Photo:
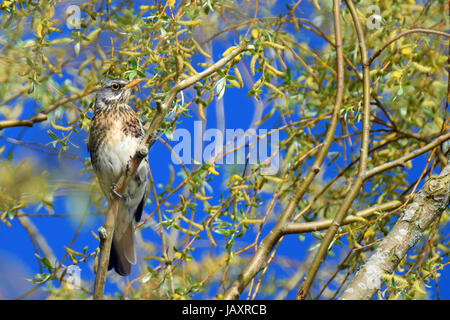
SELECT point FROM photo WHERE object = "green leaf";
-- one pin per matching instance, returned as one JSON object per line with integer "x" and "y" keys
{"x": 52, "y": 135}
{"x": 317, "y": 234}
{"x": 220, "y": 88}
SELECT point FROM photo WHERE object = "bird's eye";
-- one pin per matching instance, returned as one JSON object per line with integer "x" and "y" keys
{"x": 115, "y": 86}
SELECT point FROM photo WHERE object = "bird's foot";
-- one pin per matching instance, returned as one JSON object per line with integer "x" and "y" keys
{"x": 115, "y": 193}
{"x": 102, "y": 233}
{"x": 142, "y": 152}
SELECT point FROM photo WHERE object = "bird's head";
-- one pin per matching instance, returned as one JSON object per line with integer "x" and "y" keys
{"x": 114, "y": 91}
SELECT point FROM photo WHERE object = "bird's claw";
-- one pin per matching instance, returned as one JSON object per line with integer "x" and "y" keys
{"x": 115, "y": 193}
{"x": 102, "y": 233}
{"x": 142, "y": 151}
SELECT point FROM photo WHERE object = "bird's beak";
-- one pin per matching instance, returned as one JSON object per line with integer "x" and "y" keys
{"x": 133, "y": 83}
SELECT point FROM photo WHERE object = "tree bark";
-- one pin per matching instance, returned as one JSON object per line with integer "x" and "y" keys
{"x": 427, "y": 205}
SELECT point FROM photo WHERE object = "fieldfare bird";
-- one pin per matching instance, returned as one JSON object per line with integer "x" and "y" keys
{"x": 114, "y": 137}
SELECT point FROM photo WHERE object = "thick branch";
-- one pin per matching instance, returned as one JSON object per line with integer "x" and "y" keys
{"x": 428, "y": 205}
{"x": 147, "y": 142}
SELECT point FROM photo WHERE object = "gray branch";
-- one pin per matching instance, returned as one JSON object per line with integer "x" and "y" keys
{"x": 426, "y": 206}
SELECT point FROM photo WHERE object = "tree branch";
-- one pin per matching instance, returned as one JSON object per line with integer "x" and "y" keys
{"x": 323, "y": 249}
{"x": 363, "y": 175}
{"x": 106, "y": 233}
{"x": 427, "y": 206}
{"x": 296, "y": 228}
{"x": 35, "y": 235}
{"x": 402, "y": 160}
{"x": 267, "y": 244}
{"x": 402, "y": 34}
{"x": 42, "y": 116}
{"x": 23, "y": 123}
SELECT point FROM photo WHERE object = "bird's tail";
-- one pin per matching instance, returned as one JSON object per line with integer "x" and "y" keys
{"x": 123, "y": 253}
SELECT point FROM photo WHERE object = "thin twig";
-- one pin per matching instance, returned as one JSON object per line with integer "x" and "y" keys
{"x": 42, "y": 116}
{"x": 296, "y": 228}
{"x": 402, "y": 34}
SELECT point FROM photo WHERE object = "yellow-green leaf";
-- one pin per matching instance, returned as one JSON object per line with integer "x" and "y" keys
{"x": 189, "y": 22}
